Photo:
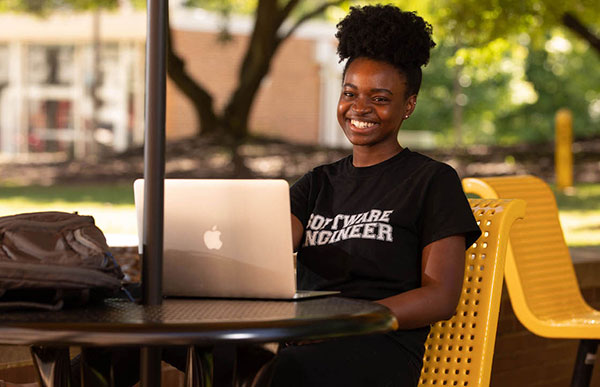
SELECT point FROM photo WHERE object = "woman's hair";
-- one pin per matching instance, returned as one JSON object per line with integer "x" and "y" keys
{"x": 386, "y": 33}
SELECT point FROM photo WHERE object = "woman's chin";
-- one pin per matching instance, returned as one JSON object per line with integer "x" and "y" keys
{"x": 358, "y": 141}
{"x": 358, "y": 138}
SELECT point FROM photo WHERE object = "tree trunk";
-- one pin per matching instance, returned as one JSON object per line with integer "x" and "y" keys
{"x": 571, "y": 22}
{"x": 255, "y": 66}
{"x": 195, "y": 93}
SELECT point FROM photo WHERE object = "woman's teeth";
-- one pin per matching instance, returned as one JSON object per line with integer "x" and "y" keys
{"x": 362, "y": 124}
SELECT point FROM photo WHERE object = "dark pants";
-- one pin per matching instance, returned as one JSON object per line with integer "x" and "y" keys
{"x": 373, "y": 361}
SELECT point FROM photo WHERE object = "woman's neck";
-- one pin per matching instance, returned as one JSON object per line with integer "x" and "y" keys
{"x": 365, "y": 156}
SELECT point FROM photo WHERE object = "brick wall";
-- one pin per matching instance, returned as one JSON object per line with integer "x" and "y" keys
{"x": 287, "y": 104}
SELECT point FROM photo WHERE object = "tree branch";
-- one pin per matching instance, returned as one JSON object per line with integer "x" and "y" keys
{"x": 320, "y": 9}
{"x": 573, "y": 23}
{"x": 195, "y": 93}
{"x": 285, "y": 11}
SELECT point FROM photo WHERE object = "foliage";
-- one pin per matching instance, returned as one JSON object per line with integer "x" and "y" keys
{"x": 226, "y": 7}
{"x": 512, "y": 99}
{"x": 561, "y": 79}
{"x": 477, "y": 22}
{"x": 512, "y": 81}
{"x": 43, "y": 7}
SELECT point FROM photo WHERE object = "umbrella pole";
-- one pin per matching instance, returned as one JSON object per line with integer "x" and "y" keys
{"x": 154, "y": 152}
{"x": 154, "y": 173}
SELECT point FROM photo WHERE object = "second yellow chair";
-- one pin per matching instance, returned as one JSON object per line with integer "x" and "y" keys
{"x": 539, "y": 272}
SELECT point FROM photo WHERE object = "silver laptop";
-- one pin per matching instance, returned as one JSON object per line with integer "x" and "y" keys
{"x": 226, "y": 238}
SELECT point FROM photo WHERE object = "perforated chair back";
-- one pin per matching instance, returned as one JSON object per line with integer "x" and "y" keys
{"x": 539, "y": 272}
{"x": 459, "y": 351}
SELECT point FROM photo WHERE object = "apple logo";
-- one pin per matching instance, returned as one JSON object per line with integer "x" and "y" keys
{"x": 212, "y": 239}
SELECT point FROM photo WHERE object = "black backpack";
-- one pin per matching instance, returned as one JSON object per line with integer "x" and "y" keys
{"x": 49, "y": 260}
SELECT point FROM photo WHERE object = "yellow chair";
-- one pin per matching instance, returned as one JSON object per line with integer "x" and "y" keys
{"x": 459, "y": 351}
{"x": 539, "y": 273}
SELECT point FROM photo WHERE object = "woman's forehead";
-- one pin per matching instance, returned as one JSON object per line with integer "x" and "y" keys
{"x": 364, "y": 72}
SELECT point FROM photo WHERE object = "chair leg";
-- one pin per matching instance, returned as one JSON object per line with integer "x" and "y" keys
{"x": 52, "y": 366}
{"x": 584, "y": 364}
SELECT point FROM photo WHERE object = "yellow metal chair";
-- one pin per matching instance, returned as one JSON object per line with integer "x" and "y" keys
{"x": 539, "y": 272}
{"x": 459, "y": 351}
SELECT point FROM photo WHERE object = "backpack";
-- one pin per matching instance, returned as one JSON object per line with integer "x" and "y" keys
{"x": 49, "y": 260}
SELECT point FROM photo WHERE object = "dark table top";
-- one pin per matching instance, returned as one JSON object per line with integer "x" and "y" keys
{"x": 196, "y": 321}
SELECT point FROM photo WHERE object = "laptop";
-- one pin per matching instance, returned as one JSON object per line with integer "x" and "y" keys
{"x": 226, "y": 238}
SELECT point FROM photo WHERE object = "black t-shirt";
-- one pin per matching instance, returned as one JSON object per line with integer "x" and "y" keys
{"x": 365, "y": 228}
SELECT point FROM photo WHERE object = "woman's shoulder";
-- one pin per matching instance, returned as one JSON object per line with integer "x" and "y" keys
{"x": 334, "y": 167}
{"x": 428, "y": 165}
{"x": 323, "y": 172}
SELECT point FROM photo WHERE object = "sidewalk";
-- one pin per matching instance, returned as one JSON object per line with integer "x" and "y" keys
{"x": 585, "y": 254}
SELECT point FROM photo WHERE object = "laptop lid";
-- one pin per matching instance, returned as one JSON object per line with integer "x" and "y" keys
{"x": 225, "y": 238}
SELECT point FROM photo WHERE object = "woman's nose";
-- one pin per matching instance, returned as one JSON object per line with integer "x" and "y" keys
{"x": 360, "y": 106}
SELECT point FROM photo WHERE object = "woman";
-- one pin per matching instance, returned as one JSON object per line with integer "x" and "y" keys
{"x": 385, "y": 223}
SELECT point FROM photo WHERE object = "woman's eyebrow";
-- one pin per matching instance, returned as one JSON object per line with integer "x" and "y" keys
{"x": 374, "y": 90}
{"x": 377, "y": 90}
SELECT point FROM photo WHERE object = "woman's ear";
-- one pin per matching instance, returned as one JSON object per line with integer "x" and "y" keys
{"x": 411, "y": 103}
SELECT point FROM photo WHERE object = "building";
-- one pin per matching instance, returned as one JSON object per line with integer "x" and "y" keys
{"x": 73, "y": 83}
{"x": 47, "y": 72}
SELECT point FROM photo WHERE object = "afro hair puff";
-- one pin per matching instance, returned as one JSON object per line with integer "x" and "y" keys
{"x": 386, "y": 33}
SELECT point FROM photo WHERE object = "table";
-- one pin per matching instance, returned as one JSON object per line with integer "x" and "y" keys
{"x": 186, "y": 322}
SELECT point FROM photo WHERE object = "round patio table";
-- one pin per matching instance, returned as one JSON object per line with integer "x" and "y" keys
{"x": 186, "y": 322}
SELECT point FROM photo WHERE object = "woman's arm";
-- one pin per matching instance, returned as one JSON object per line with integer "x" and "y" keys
{"x": 441, "y": 283}
{"x": 297, "y": 232}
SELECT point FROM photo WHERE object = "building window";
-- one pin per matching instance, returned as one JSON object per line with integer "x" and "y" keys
{"x": 50, "y": 126}
{"x": 50, "y": 82}
{"x": 50, "y": 65}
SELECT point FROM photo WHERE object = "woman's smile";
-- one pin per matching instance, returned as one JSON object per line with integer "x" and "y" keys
{"x": 360, "y": 126}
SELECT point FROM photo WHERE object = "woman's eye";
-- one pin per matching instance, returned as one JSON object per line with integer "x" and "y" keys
{"x": 380, "y": 99}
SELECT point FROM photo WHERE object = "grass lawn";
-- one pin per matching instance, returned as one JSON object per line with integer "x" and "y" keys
{"x": 112, "y": 207}
{"x": 580, "y": 215}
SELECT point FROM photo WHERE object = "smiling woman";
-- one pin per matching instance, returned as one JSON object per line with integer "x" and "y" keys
{"x": 385, "y": 224}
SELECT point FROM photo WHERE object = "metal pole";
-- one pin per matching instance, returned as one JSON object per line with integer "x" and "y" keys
{"x": 584, "y": 363}
{"x": 154, "y": 173}
{"x": 563, "y": 154}
{"x": 154, "y": 152}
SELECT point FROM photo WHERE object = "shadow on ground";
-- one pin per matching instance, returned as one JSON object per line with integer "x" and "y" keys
{"x": 263, "y": 158}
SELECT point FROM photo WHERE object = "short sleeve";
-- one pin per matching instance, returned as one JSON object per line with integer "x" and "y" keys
{"x": 300, "y": 198}
{"x": 446, "y": 210}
